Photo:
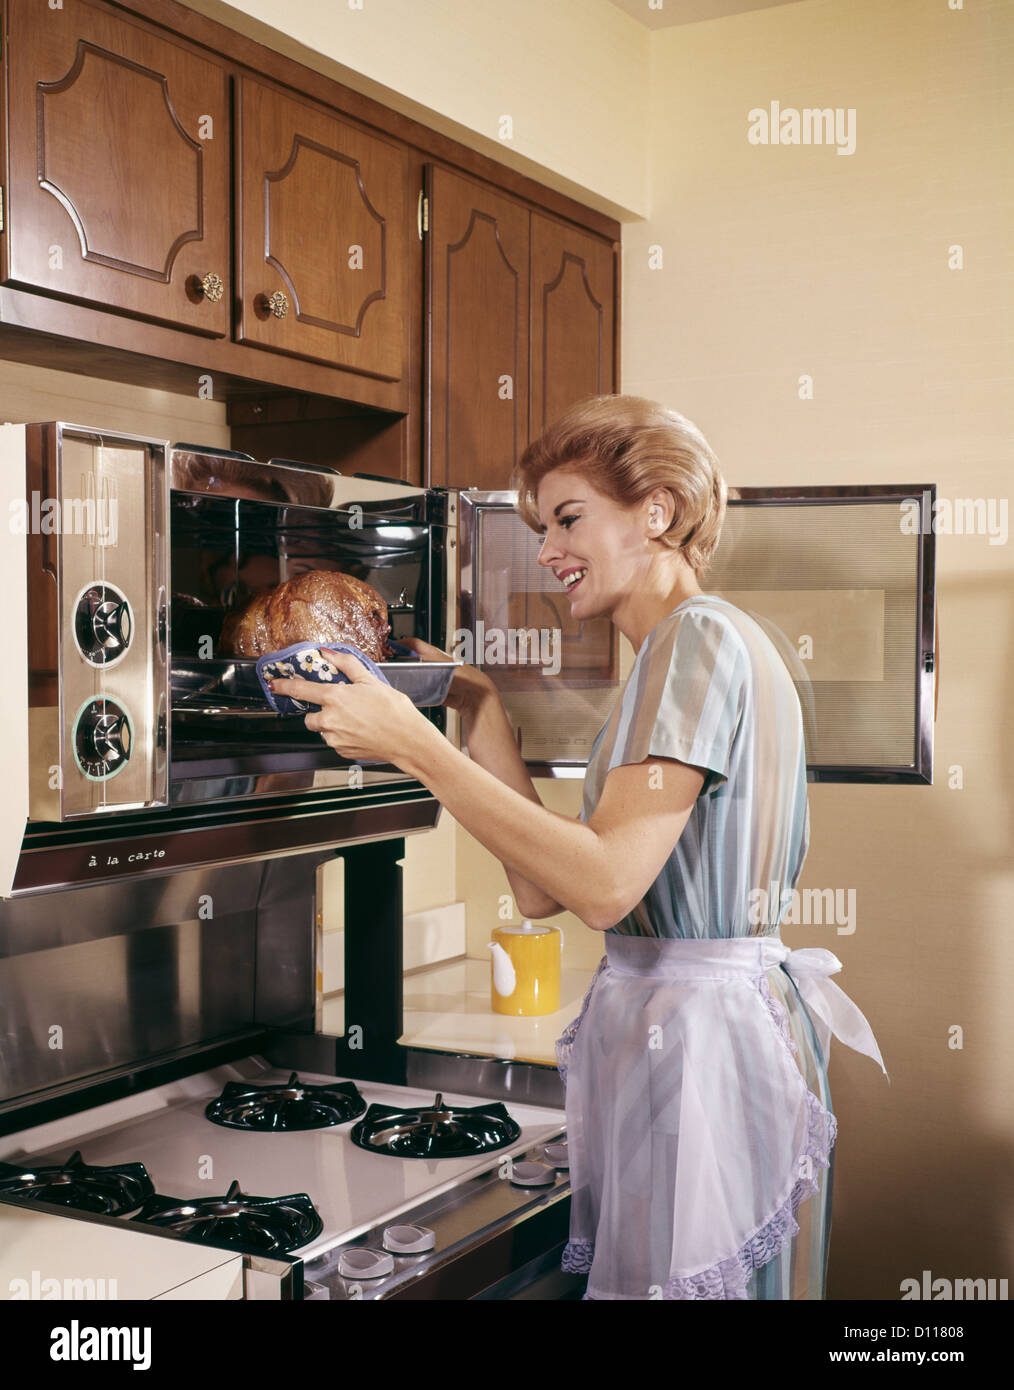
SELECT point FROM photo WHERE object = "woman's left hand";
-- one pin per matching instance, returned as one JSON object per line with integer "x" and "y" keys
{"x": 365, "y": 720}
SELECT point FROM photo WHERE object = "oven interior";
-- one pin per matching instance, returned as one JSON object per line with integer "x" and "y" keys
{"x": 226, "y": 548}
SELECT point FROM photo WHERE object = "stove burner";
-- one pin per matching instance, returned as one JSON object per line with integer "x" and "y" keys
{"x": 288, "y": 1105}
{"x": 437, "y": 1132}
{"x": 112, "y": 1191}
{"x": 263, "y": 1225}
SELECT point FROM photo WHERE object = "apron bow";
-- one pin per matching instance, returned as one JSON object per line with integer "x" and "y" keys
{"x": 831, "y": 1008}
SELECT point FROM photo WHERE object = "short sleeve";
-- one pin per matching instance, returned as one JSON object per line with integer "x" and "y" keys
{"x": 686, "y": 696}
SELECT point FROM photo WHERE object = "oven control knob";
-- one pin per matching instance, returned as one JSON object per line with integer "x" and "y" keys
{"x": 103, "y": 625}
{"x": 531, "y": 1174}
{"x": 102, "y": 738}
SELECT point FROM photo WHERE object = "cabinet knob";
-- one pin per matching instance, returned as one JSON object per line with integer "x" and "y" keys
{"x": 211, "y": 287}
{"x": 276, "y": 304}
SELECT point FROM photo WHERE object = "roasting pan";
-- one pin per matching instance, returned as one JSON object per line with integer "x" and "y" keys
{"x": 203, "y": 690}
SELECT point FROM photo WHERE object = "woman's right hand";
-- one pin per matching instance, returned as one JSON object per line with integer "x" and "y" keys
{"x": 468, "y": 688}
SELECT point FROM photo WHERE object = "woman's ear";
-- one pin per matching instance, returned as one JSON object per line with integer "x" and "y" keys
{"x": 661, "y": 510}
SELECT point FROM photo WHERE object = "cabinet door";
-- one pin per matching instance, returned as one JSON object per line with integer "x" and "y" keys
{"x": 118, "y": 166}
{"x": 477, "y": 341}
{"x": 322, "y": 238}
{"x": 572, "y": 309}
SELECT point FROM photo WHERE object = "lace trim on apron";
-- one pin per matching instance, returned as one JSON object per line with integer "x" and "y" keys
{"x": 565, "y": 1042}
{"x": 729, "y": 1278}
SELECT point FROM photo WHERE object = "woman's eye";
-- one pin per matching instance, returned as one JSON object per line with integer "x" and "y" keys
{"x": 567, "y": 520}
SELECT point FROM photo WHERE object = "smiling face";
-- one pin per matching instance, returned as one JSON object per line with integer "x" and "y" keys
{"x": 599, "y": 550}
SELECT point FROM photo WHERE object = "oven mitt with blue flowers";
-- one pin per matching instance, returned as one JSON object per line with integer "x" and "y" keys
{"x": 305, "y": 661}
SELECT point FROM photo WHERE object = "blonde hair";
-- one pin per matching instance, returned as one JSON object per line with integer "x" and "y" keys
{"x": 628, "y": 447}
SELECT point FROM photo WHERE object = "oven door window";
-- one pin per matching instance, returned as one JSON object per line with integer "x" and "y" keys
{"x": 226, "y": 740}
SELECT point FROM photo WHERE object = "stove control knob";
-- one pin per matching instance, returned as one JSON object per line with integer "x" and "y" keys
{"x": 102, "y": 624}
{"x": 409, "y": 1240}
{"x": 532, "y": 1174}
{"x": 102, "y": 738}
{"x": 362, "y": 1263}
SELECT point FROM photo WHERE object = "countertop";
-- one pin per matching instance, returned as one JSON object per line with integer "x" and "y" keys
{"x": 447, "y": 1008}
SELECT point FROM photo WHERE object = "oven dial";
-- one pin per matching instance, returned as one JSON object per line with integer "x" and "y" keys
{"x": 102, "y": 738}
{"x": 102, "y": 624}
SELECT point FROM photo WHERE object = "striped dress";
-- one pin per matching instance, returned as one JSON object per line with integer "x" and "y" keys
{"x": 698, "y": 1107}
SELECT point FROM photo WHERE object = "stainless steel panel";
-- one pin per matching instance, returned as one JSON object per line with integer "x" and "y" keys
{"x": 497, "y": 1078}
{"x": 268, "y": 1280}
{"x": 193, "y": 468}
{"x": 100, "y": 978}
{"x": 114, "y": 1001}
{"x": 480, "y": 1226}
{"x": 111, "y": 491}
{"x": 46, "y": 922}
{"x": 286, "y": 986}
{"x": 189, "y": 837}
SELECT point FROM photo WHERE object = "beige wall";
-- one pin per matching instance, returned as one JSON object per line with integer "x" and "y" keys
{"x": 555, "y": 90}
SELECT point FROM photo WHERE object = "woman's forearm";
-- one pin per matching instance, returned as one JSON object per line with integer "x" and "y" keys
{"x": 558, "y": 854}
{"x": 487, "y": 732}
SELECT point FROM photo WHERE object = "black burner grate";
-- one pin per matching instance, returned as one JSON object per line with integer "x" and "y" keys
{"x": 291, "y": 1105}
{"x": 112, "y": 1190}
{"x": 264, "y": 1225}
{"x": 438, "y": 1131}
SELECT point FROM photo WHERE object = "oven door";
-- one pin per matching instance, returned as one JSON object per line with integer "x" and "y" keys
{"x": 557, "y": 676}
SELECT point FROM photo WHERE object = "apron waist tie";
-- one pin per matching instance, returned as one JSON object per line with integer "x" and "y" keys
{"x": 831, "y": 1009}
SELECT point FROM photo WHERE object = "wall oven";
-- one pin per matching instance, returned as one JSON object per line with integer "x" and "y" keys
{"x": 142, "y": 735}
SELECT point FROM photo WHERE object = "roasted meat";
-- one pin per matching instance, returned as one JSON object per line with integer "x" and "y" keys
{"x": 320, "y": 606}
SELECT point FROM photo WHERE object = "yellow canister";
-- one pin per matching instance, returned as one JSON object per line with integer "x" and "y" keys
{"x": 525, "y": 969}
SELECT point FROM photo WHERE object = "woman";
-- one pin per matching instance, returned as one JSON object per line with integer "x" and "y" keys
{"x": 698, "y": 1109}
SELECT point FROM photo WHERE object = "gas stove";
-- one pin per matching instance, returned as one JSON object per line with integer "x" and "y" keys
{"x": 243, "y": 1151}
{"x": 364, "y": 1184}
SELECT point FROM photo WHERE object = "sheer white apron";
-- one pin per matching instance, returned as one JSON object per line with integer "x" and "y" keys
{"x": 693, "y": 1137}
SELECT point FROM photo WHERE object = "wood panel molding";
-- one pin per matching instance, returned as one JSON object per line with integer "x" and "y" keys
{"x": 282, "y": 184}
{"x": 147, "y": 105}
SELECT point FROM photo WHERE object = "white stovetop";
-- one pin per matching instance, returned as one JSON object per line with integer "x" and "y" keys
{"x": 187, "y": 1156}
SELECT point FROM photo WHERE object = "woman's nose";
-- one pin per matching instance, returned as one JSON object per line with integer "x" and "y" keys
{"x": 548, "y": 553}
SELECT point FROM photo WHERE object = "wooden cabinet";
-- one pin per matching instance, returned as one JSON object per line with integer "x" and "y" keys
{"x": 322, "y": 236}
{"x": 185, "y": 209}
{"x": 120, "y": 191}
{"x": 573, "y": 298}
{"x": 477, "y": 332}
{"x": 118, "y": 166}
{"x": 520, "y": 325}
